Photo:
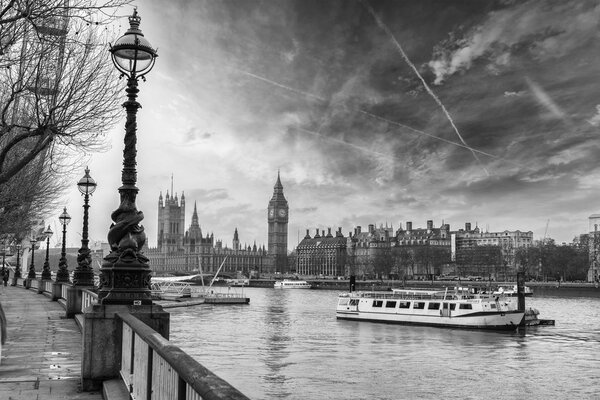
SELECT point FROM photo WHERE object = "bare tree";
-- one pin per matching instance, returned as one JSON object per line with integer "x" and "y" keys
{"x": 58, "y": 97}
{"x": 405, "y": 261}
{"x": 26, "y": 199}
{"x": 61, "y": 98}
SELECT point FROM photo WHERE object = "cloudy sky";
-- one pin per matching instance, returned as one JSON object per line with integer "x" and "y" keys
{"x": 374, "y": 111}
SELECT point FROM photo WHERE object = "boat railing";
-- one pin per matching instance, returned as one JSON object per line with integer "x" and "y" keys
{"x": 449, "y": 296}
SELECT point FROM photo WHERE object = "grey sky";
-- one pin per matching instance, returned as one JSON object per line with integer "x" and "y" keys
{"x": 322, "y": 91}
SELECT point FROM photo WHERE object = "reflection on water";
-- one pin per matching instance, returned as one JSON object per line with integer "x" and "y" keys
{"x": 288, "y": 344}
{"x": 277, "y": 339}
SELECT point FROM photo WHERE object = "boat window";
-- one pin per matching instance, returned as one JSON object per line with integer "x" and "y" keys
{"x": 453, "y": 306}
{"x": 377, "y": 303}
{"x": 354, "y": 302}
{"x": 445, "y": 306}
{"x": 419, "y": 305}
{"x": 343, "y": 302}
{"x": 466, "y": 307}
{"x": 404, "y": 304}
{"x": 390, "y": 304}
{"x": 433, "y": 306}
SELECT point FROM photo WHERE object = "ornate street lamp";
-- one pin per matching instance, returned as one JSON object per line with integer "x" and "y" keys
{"x": 62, "y": 275}
{"x": 125, "y": 273}
{"x": 31, "y": 274}
{"x": 46, "y": 269}
{"x": 84, "y": 274}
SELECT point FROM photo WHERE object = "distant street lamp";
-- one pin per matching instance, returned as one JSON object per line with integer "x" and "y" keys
{"x": 125, "y": 273}
{"x": 31, "y": 274}
{"x": 17, "y": 273}
{"x": 84, "y": 274}
{"x": 46, "y": 275}
{"x": 62, "y": 275}
{"x": 3, "y": 259}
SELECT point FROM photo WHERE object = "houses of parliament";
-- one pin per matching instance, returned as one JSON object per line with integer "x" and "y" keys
{"x": 192, "y": 250}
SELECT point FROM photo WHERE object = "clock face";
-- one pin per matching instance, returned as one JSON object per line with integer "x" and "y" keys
{"x": 282, "y": 213}
{"x": 271, "y": 213}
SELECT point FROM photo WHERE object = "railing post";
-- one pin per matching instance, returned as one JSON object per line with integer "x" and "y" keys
{"x": 56, "y": 291}
{"x": 102, "y": 339}
{"x": 149, "y": 374}
{"x": 73, "y": 299}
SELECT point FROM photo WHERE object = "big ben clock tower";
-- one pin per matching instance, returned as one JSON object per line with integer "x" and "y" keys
{"x": 278, "y": 229}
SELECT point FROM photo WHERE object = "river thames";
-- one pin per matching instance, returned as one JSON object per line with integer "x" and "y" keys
{"x": 287, "y": 344}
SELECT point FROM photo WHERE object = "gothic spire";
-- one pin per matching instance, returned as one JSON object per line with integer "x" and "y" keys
{"x": 195, "y": 217}
{"x": 278, "y": 190}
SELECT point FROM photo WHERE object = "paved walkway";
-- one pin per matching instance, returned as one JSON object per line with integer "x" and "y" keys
{"x": 41, "y": 359}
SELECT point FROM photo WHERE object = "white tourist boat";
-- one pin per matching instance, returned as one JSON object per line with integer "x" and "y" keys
{"x": 291, "y": 284}
{"x": 512, "y": 291}
{"x": 452, "y": 308}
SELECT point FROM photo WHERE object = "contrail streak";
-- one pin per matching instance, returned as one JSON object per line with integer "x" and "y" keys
{"x": 354, "y": 146}
{"x": 427, "y": 88}
{"x": 282, "y": 86}
{"x": 389, "y": 121}
{"x": 324, "y": 100}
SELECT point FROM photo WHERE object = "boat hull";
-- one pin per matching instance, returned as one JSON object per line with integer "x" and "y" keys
{"x": 508, "y": 320}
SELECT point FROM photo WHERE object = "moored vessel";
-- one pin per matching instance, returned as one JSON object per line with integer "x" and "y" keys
{"x": 446, "y": 308}
{"x": 512, "y": 291}
{"x": 291, "y": 284}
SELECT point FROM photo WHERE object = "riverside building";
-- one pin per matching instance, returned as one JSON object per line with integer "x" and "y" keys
{"x": 322, "y": 255}
{"x": 594, "y": 246}
{"x": 488, "y": 254}
{"x": 416, "y": 253}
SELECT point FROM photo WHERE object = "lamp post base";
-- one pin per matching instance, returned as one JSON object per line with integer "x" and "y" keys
{"x": 62, "y": 276}
{"x": 126, "y": 283}
{"x": 83, "y": 277}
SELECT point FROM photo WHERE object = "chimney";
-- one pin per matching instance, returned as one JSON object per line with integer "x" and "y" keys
{"x": 329, "y": 232}
{"x": 307, "y": 235}
{"x": 467, "y": 226}
{"x": 317, "y": 234}
{"x": 323, "y": 233}
{"x": 409, "y": 226}
{"x": 429, "y": 225}
{"x": 371, "y": 228}
{"x": 358, "y": 229}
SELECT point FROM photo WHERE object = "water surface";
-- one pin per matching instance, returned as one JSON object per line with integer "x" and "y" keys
{"x": 287, "y": 344}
